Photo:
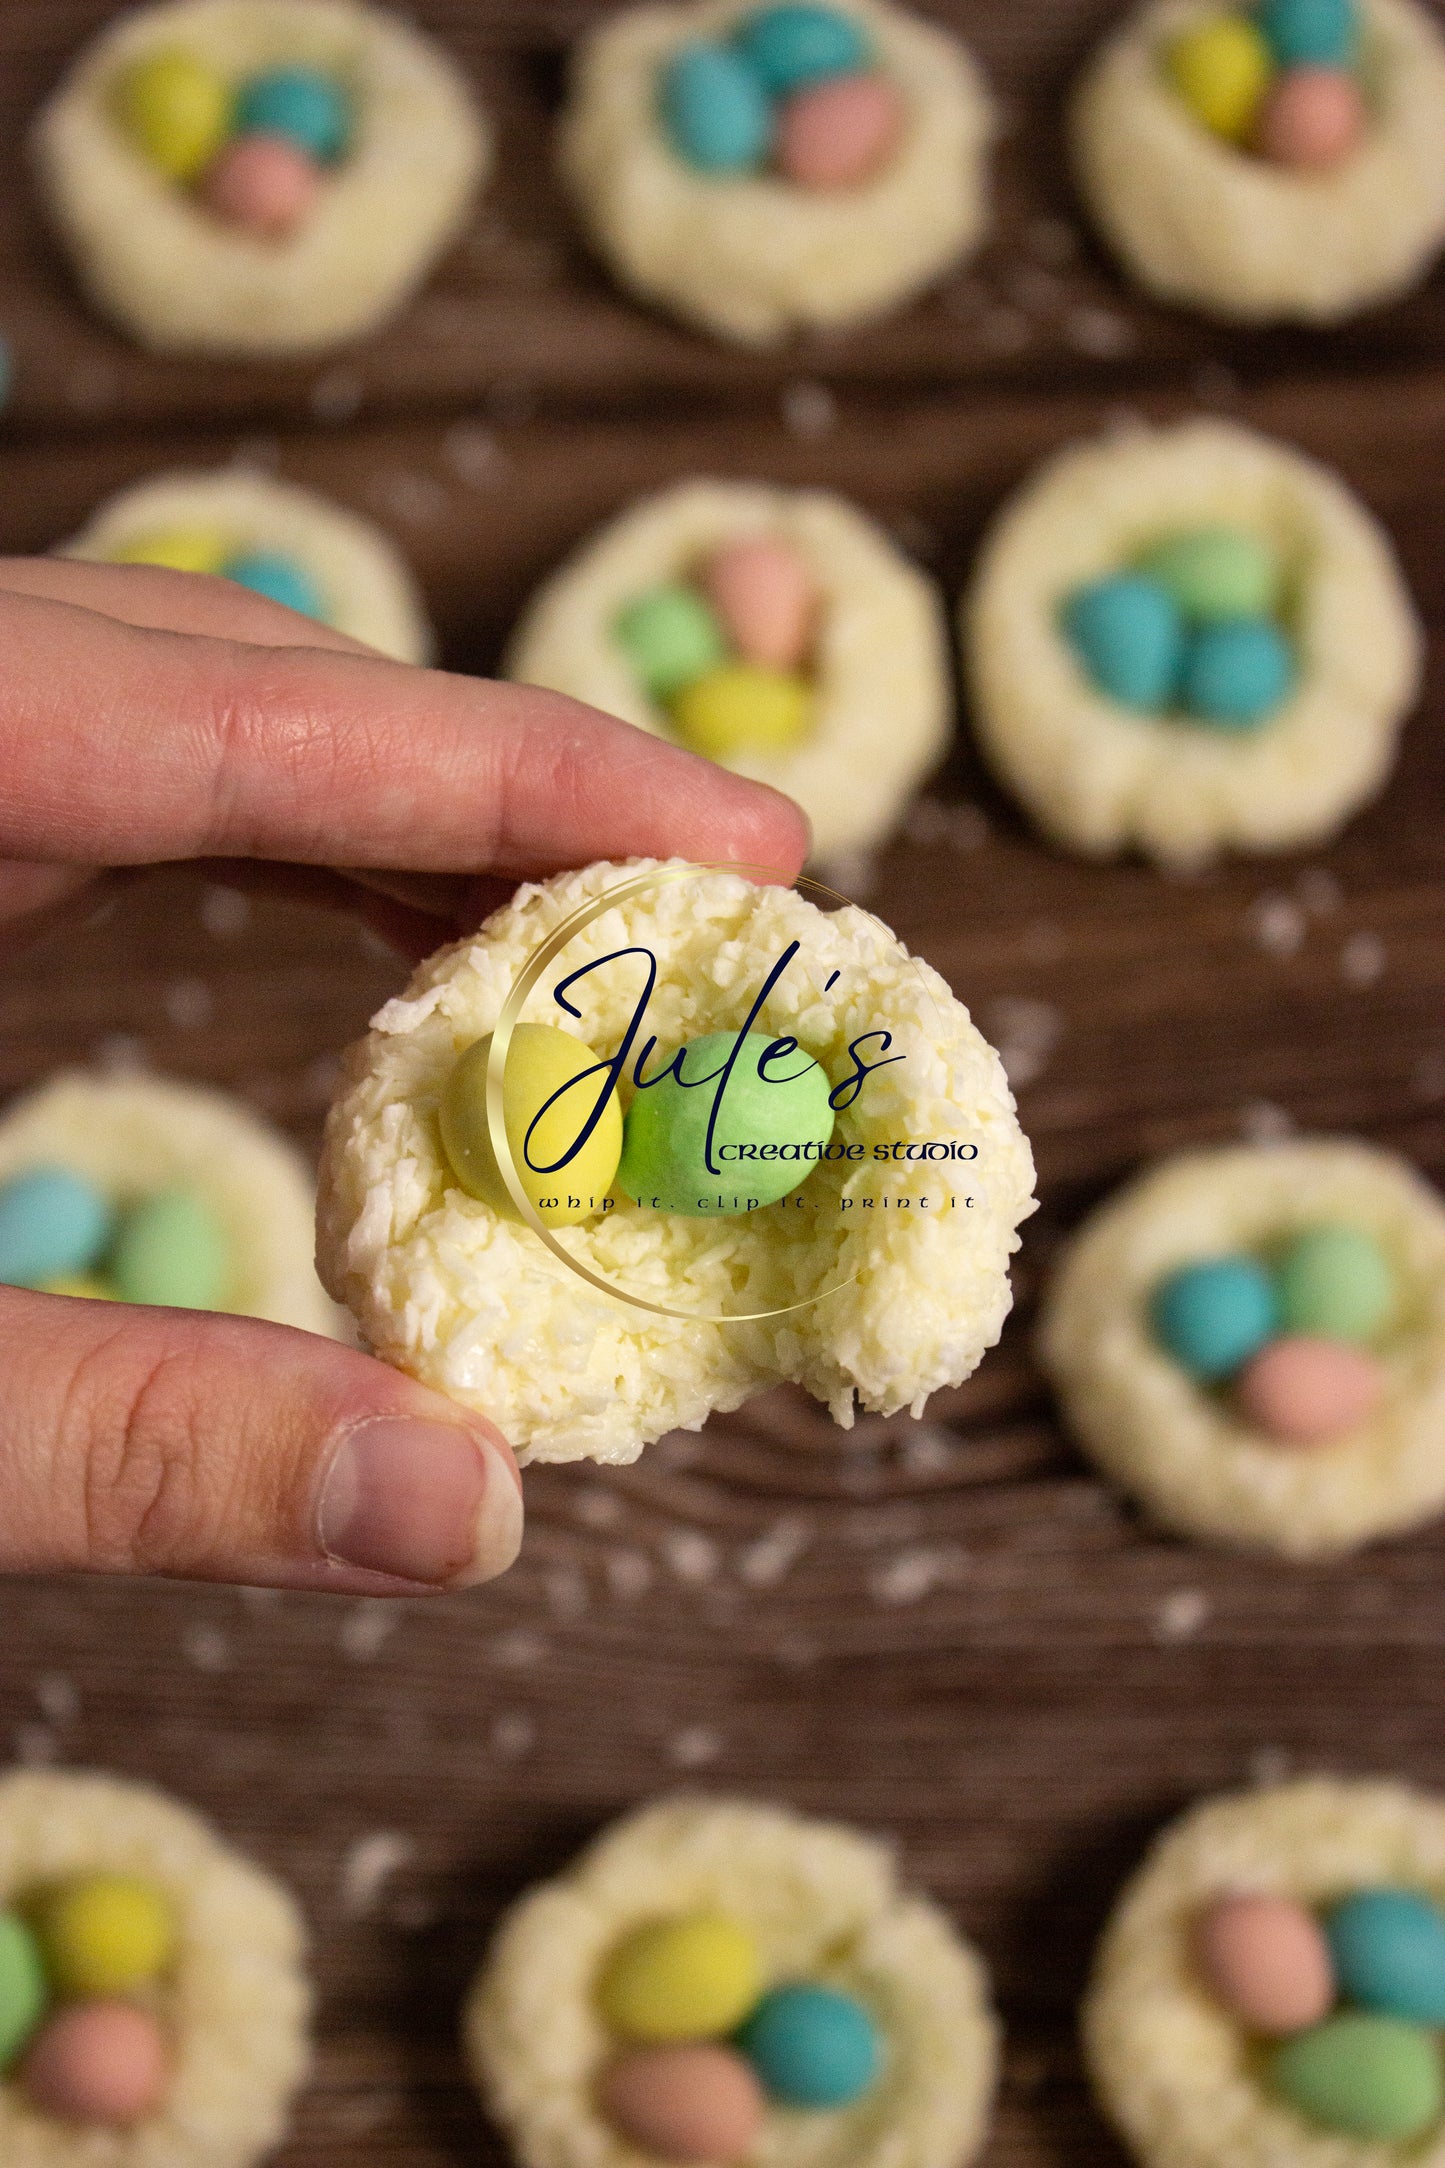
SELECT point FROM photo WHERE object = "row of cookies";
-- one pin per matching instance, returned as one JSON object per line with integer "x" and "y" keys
{"x": 1179, "y": 641}
{"x": 259, "y": 179}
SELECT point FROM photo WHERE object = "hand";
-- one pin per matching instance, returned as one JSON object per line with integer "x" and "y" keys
{"x": 148, "y": 716}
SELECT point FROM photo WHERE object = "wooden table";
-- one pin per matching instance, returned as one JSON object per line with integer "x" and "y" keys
{"x": 945, "y": 1630}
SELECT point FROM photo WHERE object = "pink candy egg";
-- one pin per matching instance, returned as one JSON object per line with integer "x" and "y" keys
{"x": 97, "y": 2062}
{"x": 763, "y": 592}
{"x": 1310, "y": 118}
{"x": 1303, "y": 1391}
{"x": 695, "y": 2103}
{"x": 1267, "y": 1961}
{"x": 840, "y": 132}
{"x": 265, "y": 183}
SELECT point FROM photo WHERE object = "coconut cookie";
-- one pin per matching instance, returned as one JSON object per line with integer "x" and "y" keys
{"x": 1270, "y": 1991}
{"x": 1272, "y": 162}
{"x": 1189, "y": 640}
{"x": 766, "y": 169}
{"x": 280, "y": 541}
{"x": 154, "y": 2009}
{"x": 258, "y": 176}
{"x": 731, "y": 1213}
{"x": 142, "y": 1189}
{"x": 1252, "y": 1341}
{"x": 777, "y": 631}
{"x": 716, "y": 1981}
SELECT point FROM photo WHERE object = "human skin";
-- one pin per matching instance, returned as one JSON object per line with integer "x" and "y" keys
{"x": 149, "y": 716}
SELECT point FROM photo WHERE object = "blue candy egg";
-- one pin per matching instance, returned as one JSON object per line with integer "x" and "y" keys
{"x": 715, "y": 110}
{"x": 282, "y": 579}
{"x": 1236, "y": 674}
{"x": 813, "y": 2047}
{"x": 1388, "y": 1947}
{"x": 1214, "y": 1315}
{"x": 302, "y": 104}
{"x": 52, "y": 1223}
{"x": 1129, "y": 635}
{"x": 1310, "y": 33}
{"x": 791, "y": 46}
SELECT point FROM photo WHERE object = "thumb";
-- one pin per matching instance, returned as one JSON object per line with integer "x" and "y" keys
{"x": 219, "y": 1448}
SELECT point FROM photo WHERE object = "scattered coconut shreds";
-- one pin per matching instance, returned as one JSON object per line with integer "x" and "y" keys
{"x": 771, "y": 1557}
{"x": 518, "y": 1649}
{"x": 691, "y": 1555}
{"x": 694, "y": 1747}
{"x": 513, "y": 1735}
{"x": 853, "y": 874}
{"x": 926, "y": 1448}
{"x": 206, "y": 1647}
{"x": 405, "y": 494}
{"x": 1098, "y": 333}
{"x": 629, "y": 1574}
{"x": 795, "y": 1652}
{"x": 1277, "y": 925}
{"x": 596, "y": 1507}
{"x": 1362, "y": 959}
{"x": 189, "y": 1004}
{"x": 566, "y": 1588}
{"x": 1428, "y": 1077}
{"x": 225, "y": 912}
{"x": 473, "y": 455}
{"x": 35, "y": 1746}
{"x": 1180, "y": 1616}
{"x": 1262, "y": 1122}
{"x": 1319, "y": 891}
{"x": 679, "y": 1449}
{"x": 121, "y": 1053}
{"x": 58, "y": 1698}
{"x": 1025, "y": 1031}
{"x": 912, "y": 1574}
{"x": 367, "y": 1627}
{"x": 368, "y": 1865}
{"x": 1269, "y": 1765}
{"x": 810, "y": 411}
{"x": 337, "y": 396}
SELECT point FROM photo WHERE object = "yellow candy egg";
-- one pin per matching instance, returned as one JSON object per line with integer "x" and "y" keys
{"x": 689, "y": 1979}
{"x": 79, "y": 1283}
{"x": 744, "y": 708}
{"x": 541, "y": 1062}
{"x": 1221, "y": 69}
{"x": 104, "y": 1934}
{"x": 179, "y": 549}
{"x": 176, "y": 110}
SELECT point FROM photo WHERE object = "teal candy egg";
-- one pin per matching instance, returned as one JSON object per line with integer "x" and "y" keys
{"x": 52, "y": 1223}
{"x": 1311, "y": 33}
{"x": 280, "y": 578}
{"x": 1214, "y": 573}
{"x": 1335, "y": 1283}
{"x": 1371, "y": 2077}
{"x": 715, "y": 110}
{"x": 813, "y": 2047}
{"x": 791, "y": 46}
{"x": 1128, "y": 634}
{"x": 171, "y": 1250}
{"x": 1388, "y": 1947}
{"x": 773, "y": 1105}
{"x": 22, "y": 1987}
{"x": 308, "y": 107}
{"x": 1236, "y": 674}
{"x": 1214, "y": 1315}
{"x": 671, "y": 638}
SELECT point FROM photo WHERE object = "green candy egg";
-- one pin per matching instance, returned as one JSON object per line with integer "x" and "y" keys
{"x": 1215, "y": 573}
{"x": 1370, "y": 2077}
{"x": 1337, "y": 1283}
{"x": 671, "y": 637}
{"x": 173, "y": 1251}
{"x": 775, "y": 1102}
{"x": 22, "y": 1987}
{"x": 541, "y": 1063}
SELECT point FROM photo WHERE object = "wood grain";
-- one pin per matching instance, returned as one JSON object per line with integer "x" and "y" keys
{"x": 946, "y": 1631}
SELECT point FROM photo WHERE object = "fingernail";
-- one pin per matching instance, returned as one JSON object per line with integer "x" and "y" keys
{"x": 427, "y": 1502}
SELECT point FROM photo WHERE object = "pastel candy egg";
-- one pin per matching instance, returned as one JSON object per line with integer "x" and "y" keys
{"x": 309, "y": 108}
{"x": 1388, "y": 1947}
{"x": 1236, "y": 674}
{"x": 176, "y": 110}
{"x": 1311, "y": 119}
{"x": 105, "y": 1934}
{"x": 1266, "y": 1960}
{"x": 549, "y": 1092}
{"x": 1335, "y": 1283}
{"x": 1310, "y": 33}
{"x": 1304, "y": 1392}
{"x": 1213, "y": 1315}
{"x": 1215, "y": 573}
{"x": 840, "y": 133}
{"x": 1128, "y": 634}
{"x": 172, "y": 1250}
{"x": 265, "y": 183}
{"x": 670, "y": 636}
{"x": 699, "y": 2102}
{"x": 791, "y": 46}
{"x": 763, "y": 594}
{"x": 681, "y": 1979}
{"x": 97, "y": 2062}
{"x": 1221, "y": 68}
{"x": 178, "y": 549}
{"x": 278, "y": 577}
{"x": 773, "y": 1122}
{"x": 1370, "y": 2077}
{"x": 813, "y": 2047}
{"x": 51, "y": 1222}
{"x": 741, "y": 708}
{"x": 22, "y": 1987}
{"x": 715, "y": 110}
